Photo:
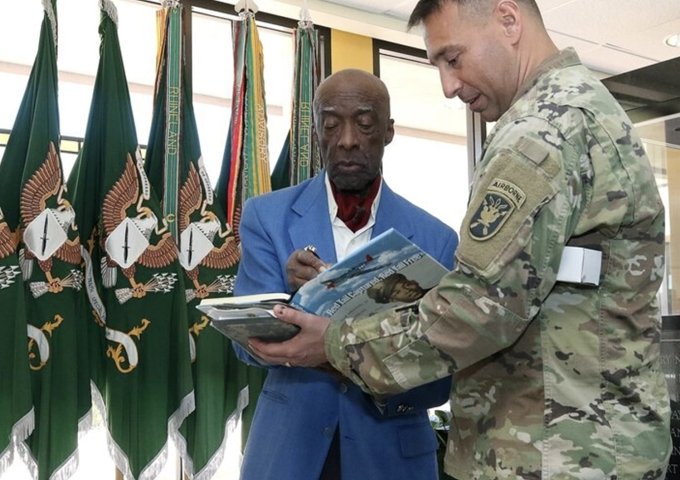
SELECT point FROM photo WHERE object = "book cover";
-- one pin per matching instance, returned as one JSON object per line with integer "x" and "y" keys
{"x": 242, "y": 317}
{"x": 387, "y": 271}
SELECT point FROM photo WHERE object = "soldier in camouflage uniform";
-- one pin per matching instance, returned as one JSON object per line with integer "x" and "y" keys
{"x": 553, "y": 380}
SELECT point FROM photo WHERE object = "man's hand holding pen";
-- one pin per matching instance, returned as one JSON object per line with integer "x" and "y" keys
{"x": 306, "y": 349}
{"x": 302, "y": 266}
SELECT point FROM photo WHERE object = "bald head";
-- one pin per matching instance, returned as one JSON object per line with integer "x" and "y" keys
{"x": 350, "y": 82}
{"x": 353, "y": 125}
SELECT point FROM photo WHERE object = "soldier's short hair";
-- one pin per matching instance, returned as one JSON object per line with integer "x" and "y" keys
{"x": 479, "y": 8}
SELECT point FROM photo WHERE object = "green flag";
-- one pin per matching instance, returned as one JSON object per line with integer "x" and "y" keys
{"x": 305, "y": 159}
{"x": 136, "y": 287}
{"x": 208, "y": 252}
{"x": 35, "y": 202}
{"x": 281, "y": 175}
{"x": 245, "y": 166}
{"x": 16, "y": 406}
{"x": 245, "y": 169}
{"x": 299, "y": 158}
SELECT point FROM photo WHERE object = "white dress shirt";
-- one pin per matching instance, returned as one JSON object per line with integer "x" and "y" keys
{"x": 346, "y": 241}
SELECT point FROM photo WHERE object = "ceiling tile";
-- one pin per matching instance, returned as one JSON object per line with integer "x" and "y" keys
{"x": 650, "y": 42}
{"x": 402, "y": 9}
{"x": 547, "y": 5}
{"x": 612, "y": 36}
{"x": 602, "y": 21}
{"x": 608, "y": 60}
{"x": 375, "y": 6}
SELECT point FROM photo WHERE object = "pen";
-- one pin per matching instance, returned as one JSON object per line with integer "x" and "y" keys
{"x": 312, "y": 249}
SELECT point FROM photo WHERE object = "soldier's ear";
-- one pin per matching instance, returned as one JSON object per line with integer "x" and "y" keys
{"x": 508, "y": 16}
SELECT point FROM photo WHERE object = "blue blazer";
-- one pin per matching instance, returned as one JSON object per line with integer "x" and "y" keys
{"x": 299, "y": 409}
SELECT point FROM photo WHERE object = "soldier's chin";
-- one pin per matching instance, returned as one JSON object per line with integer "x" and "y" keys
{"x": 488, "y": 114}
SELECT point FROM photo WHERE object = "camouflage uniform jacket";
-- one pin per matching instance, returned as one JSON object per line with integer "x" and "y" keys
{"x": 553, "y": 380}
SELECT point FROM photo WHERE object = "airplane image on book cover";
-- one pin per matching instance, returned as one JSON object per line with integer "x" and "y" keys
{"x": 387, "y": 271}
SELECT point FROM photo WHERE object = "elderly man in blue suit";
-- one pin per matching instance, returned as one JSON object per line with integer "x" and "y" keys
{"x": 310, "y": 424}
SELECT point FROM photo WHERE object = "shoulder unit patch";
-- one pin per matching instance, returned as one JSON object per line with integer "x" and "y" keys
{"x": 501, "y": 199}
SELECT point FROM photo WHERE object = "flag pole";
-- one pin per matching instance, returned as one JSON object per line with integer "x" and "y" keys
{"x": 305, "y": 16}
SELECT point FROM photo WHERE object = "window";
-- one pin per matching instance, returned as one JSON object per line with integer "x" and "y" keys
{"x": 212, "y": 79}
{"x": 427, "y": 161}
{"x": 662, "y": 144}
{"x": 78, "y": 58}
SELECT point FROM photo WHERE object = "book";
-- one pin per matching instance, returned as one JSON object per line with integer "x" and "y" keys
{"x": 246, "y": 316}
{"x": 387, "y": 271}
{"x": 256, "y": 321}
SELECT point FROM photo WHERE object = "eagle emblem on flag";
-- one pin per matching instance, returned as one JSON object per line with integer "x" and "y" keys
{"x": 197, "y": 247}
{"x": 128, "y": 235}
{"x": 49, "y": 227}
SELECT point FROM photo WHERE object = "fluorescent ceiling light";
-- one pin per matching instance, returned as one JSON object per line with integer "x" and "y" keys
{"x": 673, "y": 40}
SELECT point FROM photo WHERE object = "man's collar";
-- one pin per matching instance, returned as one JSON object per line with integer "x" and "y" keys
{"x": 333, "y": 205}
{"x": 564, "y": 58}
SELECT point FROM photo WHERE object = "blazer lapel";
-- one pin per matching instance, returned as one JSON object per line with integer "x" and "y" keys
{"x": 310, "y": 223}
{"x": 390, "y": 214}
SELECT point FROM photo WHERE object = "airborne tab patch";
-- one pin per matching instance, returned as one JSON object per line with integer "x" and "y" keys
{"x": 501, "y": 199}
